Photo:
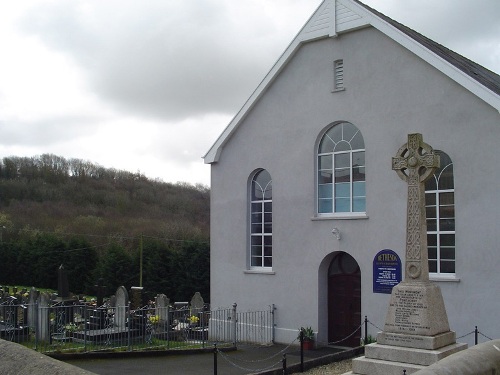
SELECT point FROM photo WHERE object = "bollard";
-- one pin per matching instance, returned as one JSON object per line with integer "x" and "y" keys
{"x": 475, "y": 336}
{"x": 284, "y": 364}
{"x": 215, "y": 359}
{"x": 301, "y": 349}
{"x": 404, "y": 372}
{"x": 366, "y": 330}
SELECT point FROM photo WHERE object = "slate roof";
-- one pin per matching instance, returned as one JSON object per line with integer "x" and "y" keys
{"x": 477, "y": 72}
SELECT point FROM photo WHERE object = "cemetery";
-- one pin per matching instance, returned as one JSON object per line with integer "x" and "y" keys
{"x": 60, "y": 321}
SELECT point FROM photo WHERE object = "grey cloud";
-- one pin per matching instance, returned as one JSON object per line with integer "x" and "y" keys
{"x": 158, "y": 59}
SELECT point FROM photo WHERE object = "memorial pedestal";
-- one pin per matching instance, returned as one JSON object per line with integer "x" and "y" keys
{"x": 416, "y": 333}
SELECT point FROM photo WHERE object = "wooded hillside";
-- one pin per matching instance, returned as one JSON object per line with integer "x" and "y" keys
{"x": 95, "y": 221}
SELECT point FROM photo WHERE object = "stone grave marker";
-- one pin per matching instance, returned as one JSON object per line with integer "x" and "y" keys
{"x": 197, "y": 304}
{"x": 416, "y": 332}
{"x": 34, "y": 294}
{"x": 122, "y": 305}
{"x": 43, "y": 321}
{"x": 161, "y": 307}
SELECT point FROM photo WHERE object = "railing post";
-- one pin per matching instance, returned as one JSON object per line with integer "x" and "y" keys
{"x": 366, "y": 330}
{"x": 273, "y": 325}
{"x": 301, "y": 336}
{"x": 215, "y": 359}
{"x": 475, "y": 336}
{"x": 284, "y": 364}
{"x": 234, "y": 321}
{"x": 128, "y": 323}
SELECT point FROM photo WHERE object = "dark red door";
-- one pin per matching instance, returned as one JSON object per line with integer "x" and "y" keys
{"x": 344, "y": 305}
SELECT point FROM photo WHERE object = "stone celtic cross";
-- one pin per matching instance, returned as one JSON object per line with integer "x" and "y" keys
{"x": 415, "y": 162}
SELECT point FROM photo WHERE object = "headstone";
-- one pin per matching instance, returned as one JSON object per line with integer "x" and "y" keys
{"x": 34, "y": 294}
{"x": 197, "y": 304}
{"x": 416, "y": 332}
{"x": 101, "y": 291}
{"x": 62, "y": 283}
{"x": 43, "y": 321}
{"x": 136, "y": 297}
{"x": 122, "y": 305}
{"x": 161, "y": 307}
{"x": 112, "y": 301}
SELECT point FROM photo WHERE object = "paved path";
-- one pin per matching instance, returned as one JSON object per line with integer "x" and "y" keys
{"x": 247, "y": 359}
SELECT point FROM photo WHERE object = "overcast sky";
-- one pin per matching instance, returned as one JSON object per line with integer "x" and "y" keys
{"x": 149, "y": 85}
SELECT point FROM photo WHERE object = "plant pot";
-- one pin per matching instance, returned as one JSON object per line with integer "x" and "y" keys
{"x": 308, "y": 344}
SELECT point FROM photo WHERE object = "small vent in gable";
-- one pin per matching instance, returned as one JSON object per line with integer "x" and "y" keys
{"x": 338, "y": 75}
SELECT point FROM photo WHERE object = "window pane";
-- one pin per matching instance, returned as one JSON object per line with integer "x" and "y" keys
{"x": 268, "y": 262}
{"x": 335, "y": 133}
{"x": 342, "y": 175}
{"x": 430, "y": 212}
{"x": 359, "y": 205}
{"x": 326, "y": 145}
{"x": 430, "y": 199}
{"x": 342, "y": 160}
{"x": 342, "y": 190}
{"x": 447, "y": 239}
{"x": 349, "y": 131}
{"x": 268, "y": 251}
{"x": 431, "y": 240}
{"x": 447, "y": 211}
{"x": 432, "y": 253}
{"x": 256, "y": 218}
{"x": 256, "y": 241}
{"x": 358, "y": 189}
{"x": 430, "y": 184}
{"x": 268, "y": 228}
{"x": 431, "y": 225}
{"x": 357, "y": 142}
{"x": 325, "y": 191}
{"x": 325, "y": 206}
{"x": 448, "y": 253}
{"x": 256, "y": 228}
{"x": 447, "y": 266}
{"x": 342, "y": 146}
{"x": 358, "y": 173}
{"x": 325, "y": 177}
{"x": 342, "y": 205}
{"x": 257, "y": 262}
{"x": 447, "y": 225}
{"x": 446, "y": 198}
{"x": 446, "y": 178}
{"x": 325, "y": 162}
{"x": 432, "y": 266}
{"x": 256, "y": 251}
{"x": 358, "y": 159}
{"x": 268, "y": 207}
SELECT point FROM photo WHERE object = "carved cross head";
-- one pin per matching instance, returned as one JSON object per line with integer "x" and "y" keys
{"x": 415, "y": 161}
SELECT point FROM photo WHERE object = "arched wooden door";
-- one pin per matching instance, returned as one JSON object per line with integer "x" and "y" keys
{"x": 344, "y": 301}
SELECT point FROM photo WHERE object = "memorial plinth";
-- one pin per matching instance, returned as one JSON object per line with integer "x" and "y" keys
{"x": 416, "y": 332}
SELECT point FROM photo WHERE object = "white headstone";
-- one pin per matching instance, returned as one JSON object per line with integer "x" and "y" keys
{"x": 121, "y": 307}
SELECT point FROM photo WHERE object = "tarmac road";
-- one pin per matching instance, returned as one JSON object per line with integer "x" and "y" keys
{"x": 245, "y": 360}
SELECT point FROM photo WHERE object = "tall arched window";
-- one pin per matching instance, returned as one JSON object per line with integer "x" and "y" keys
{"x": 440, "y": 211}
{"x": 261, "y": 221}
{"x": 341, "y": 170}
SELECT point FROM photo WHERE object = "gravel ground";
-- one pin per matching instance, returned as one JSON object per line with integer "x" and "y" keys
{"x": 336, "y": 368}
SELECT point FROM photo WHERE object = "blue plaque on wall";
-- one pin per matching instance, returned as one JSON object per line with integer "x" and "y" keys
{"x": 386, "y": 271}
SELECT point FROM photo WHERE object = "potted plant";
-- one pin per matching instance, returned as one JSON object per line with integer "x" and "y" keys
{"x": 307, "y": 338}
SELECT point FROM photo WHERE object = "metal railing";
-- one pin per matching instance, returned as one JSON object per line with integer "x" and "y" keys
{"x": 81, "y": 327}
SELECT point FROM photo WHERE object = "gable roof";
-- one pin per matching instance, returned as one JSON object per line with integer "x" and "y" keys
{"x": 334, "y": 17}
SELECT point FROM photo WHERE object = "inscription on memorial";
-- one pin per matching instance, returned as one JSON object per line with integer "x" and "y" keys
{"x": 409, "y": 308}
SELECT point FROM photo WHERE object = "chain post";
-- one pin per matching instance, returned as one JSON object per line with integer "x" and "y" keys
{"x": 475, "y": 336}
{"x": 215, "y": 359}
{"x": 366, "y": 330}
{"x": 284, "y": 364}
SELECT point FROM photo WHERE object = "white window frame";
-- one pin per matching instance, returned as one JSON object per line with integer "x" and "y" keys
{"x": 438, "y": 232}
{"x": 265, "y": 236}
{"x": 339, "y": 214}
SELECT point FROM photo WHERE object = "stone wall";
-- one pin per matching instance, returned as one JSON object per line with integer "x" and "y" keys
{"x": 482, "y": 359}
{"x": 18, "y": 360}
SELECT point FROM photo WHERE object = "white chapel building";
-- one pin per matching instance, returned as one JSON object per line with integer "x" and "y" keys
{"x": 303, "y": 196}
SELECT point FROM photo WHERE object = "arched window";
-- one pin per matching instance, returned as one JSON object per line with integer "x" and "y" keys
{"x": 440, "y": 212}
{"x": 261, "y": 221}
{"x": 341, "y": 170}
